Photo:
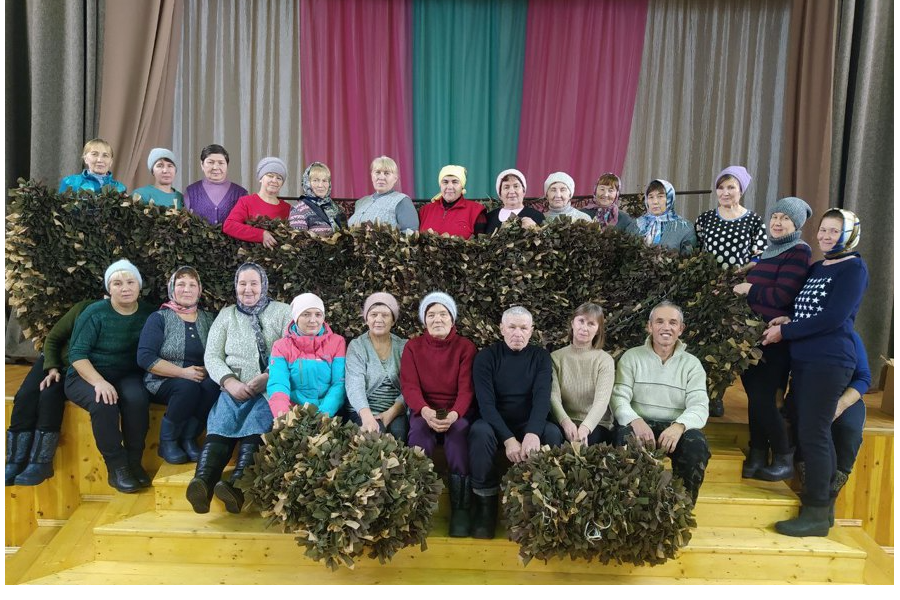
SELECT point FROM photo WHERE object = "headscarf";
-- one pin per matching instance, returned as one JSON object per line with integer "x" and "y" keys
{"x": 850, "y": 233}
{"x": 253, "y": 311}
{"x": 458, "y": 172}
{"x": 326, "y": 204}
{"x": 798, "y": 212}
{"x": 651, "y": 226}
{"x": 608, "y": 216}
{"x": 172, "y": 303}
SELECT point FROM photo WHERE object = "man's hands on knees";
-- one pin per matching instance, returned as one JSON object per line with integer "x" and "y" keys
{"x": 670, "y": 437}
{"x": 643, "y": 433}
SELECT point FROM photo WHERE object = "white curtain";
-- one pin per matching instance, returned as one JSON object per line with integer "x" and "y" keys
{"x": 711, "y": 95}
{"x": 238, "y": 85}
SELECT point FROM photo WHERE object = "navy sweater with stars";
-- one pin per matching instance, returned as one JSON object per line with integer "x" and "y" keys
{"x": 822, "y": 328}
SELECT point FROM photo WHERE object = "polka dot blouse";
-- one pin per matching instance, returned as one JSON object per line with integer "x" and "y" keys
{"x": 731, "y": 241}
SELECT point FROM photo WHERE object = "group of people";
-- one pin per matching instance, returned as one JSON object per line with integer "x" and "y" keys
{"x": 233, "y": 373}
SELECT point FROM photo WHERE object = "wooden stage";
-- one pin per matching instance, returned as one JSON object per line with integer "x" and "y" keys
{"x": 74, "y": 529}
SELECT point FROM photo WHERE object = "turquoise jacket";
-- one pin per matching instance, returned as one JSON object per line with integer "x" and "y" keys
{"x": 89, "y": 181}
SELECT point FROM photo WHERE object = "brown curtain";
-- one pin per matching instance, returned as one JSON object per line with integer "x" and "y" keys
{"x": 806, "y": 162}
{"x": 142, "y": 38}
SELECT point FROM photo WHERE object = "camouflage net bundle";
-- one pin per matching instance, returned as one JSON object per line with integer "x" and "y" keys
{"x": 343, "y": 492}
{"x": 600, "y": 501}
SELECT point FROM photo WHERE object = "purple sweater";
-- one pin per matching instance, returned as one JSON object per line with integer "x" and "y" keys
{"x": 776, "y": 282}
{"x": 198, "y": 202}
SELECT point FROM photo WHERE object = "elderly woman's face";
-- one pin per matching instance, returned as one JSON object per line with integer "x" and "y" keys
{"x": 186, "y": 290}
{"x": 164, "y": 172}
{"x": 584, "y": 328}
{"x": 383, "y": 180}
{"x": 380, "y": 319}
{"x": 829, "y": 233}
{"x": 605, "y": 195}
{"x": 451, "y": 188}
{"x": 781, "y": 225}
{"x": 319, "y": 181}
{"x": 512, "y": 194}
{"x": 728, "y": 192}
{"x": 438, "y": 321}
{"x": 123, "y": 288}
{"x": 309, "y": 322}
{"x": 558, "y": 195}
{"x": 249, "y": 287}
{"x": 215, "y": 168}
{"x": 656, "y": 203}
{"x": 98, "y": 160}
{"x": 270, "y": 184}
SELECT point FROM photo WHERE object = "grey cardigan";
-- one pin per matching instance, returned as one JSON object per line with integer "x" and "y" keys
{"x": 364, "y": 371}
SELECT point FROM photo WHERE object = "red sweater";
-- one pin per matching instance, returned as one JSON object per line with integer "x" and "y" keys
{"x": 249, "y": 207}
{"x": 438, "y": 373}
{"x": 460, "y": 219}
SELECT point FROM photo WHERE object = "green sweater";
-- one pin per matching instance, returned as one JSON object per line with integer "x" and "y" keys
{"x": 647, "y": 388}
{"x": 582, "y": 383}
{"x": 56, "y": 345}
{"x": 106, "y": 338}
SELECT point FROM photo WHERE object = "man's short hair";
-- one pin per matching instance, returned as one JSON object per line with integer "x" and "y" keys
{"x": 516, "y": 311}
{"x": 664, "y": 304}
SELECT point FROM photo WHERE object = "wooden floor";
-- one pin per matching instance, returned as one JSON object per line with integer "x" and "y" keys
{"x": 153, "y": 537}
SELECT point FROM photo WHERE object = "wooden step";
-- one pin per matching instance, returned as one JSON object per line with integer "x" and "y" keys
{"x": 723, "y": 552}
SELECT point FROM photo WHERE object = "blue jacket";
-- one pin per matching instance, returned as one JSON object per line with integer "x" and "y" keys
{"x": 89, "y": 181}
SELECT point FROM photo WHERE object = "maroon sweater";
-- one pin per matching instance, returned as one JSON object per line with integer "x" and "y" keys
{"x": 777, "y": 281}
{"x": 438, "y": 373}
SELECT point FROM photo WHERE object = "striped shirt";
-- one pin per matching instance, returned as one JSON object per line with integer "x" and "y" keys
{"x": 776, "y": 282}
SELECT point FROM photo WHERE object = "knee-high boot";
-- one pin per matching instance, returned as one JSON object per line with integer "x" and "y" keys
{"x": 484, "y": 516}
{"x": 460, "y": 499}
{"x": 227, "y": 491}
{"x": 40, "y": 466}
{"x": 210, "y": 465}
{"x": 18, "y": 445}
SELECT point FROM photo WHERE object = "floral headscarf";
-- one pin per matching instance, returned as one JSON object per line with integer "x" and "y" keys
{"x": 326, "y": 204}
{"x": 183, "y": 271}
{"x": 253, "y": 311}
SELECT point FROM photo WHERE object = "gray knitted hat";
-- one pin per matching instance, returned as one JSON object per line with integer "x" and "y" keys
{"x": 796, "y": 209}
{"x": 437, "y": 298}
{"x": 158, "y": 153}
{"x": 271, "y": 164}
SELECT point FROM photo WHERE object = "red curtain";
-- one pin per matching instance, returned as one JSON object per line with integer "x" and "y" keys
{"x": 582, "y": 67}
{"x": 356, "y": 104}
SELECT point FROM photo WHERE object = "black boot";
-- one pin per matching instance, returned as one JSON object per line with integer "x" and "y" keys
{"x": 460, "y": 498}
{"x": 227, "y": 491}
{"x": 484, "y": 516}
{"x": 169, "y": 448}
{"x": 18, "y": 445}
{"x": 134, "y": 465}
{"x": 40, "y": 466}
{"x": 756, "y": 460}
{"x": 210, "y": 465}
{"x": 122, "y": 479}
{"x": 188, "y": 439}
{"x": 782, "y": 468}
{"x": 813, "y": 521}
{"x": 840, "y": 480}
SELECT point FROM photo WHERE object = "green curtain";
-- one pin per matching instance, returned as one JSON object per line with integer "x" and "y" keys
{"x": 468, "y": 61}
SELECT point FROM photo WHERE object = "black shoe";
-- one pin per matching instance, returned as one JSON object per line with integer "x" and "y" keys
{"x": 18, "y": 445}
{"x": 756, "y": 460}
{"x": 716, "y": 407}
{"x": 460, "y": 500}
{"x": 40, "y": 467}
{"x": 122, "y": 480}
{"x": 484, "y": 516}
{"x": 782, "y": 468}
{"x": 134, "y": 465}
{"x": 812, "y": 521}
{"x": 169, "y": 448}
{"x": 210, "y": 464}
{"x": 188, "y": 439}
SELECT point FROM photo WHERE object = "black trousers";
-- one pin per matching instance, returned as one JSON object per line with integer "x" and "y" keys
{"x": 483, "y": 446}
{"x": 36, "y": 409}
{"x": 768, "y": 428}
{"x": 690, "y": 458}
{"x": 114, "y": 441}
{"x": 185, "y": 399}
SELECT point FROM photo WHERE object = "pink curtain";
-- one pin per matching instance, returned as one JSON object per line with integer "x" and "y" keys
{"x": 582, "y": 66}
{"x": 356, "y": 89}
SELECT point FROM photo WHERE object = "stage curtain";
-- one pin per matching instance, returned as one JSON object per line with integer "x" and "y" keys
{"x": 356, "y": 64}
{"x": 238, "y": 85}
{"x": 711, "y": 95}
{"x": 468, "y": 61}
{"x": 582, "y": 67}
{"x": 862, "y": 155}
{"x": 136, "y": 104}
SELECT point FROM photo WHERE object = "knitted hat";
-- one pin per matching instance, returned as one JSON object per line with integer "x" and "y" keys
{"x": 515, "y": 172}
{"x": 796, "y": 209}
{"x": 560, "y": 177}
{"x": 850, "y": 232}
{"x": 304, "y": 302}
{"x": 381, "y": 298}
{"x": 739, "y": 173}
{"x": 121, "y": 265}
{"x": 271, "y": 164}
{"x": 437, "y": 298}
{"x": 158, "y": 153}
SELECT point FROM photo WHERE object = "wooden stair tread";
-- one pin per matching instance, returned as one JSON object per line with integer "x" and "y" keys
{"x": 749, "y": 491}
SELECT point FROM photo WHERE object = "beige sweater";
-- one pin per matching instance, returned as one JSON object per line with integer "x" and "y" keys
{"x": 582, "y": 384}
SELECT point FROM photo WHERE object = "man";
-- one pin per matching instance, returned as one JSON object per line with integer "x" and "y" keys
{"x": 512, "y": 388}
{"x": 660, "y": 394}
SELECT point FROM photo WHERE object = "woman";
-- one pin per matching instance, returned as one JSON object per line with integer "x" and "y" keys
{"x": 511, "y": 187}
{"x": 661, "y": 225}
{"x": 105, "y": 379}
{"x": 823, "y": 359}
{"x": 161, "y": 163}
{"x": 307, "y": 364}
{"x": 316, "y": 212}
{"x": 373, "y": 370}
{"x": 38, "y": 407}
{"x": 213, "y": 197}
{"x": 271, "y": 172}
{"x": 606, "y": 196}
{"x": 449, "y": 212}
{"x": 770, "y": 288}
{"x": 97, "y": 156}
{"x": 237, "y": 358}
{"x": 559, "y": 188}
{"x": 171, "y": 351}
{"x": 583, "y": 377}
{"x": 385, "y": 206}
{"x": 436, "y": 381}
{"x": 731, "y": 233}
